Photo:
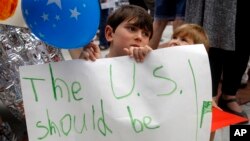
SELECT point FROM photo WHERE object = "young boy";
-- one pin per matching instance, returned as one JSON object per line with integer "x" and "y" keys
{"x": 129, "y": 35}
{"x": 186, "y": 34}
{"x": 128, "y": 31}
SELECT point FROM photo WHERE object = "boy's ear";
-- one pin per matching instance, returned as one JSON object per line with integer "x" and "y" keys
{"x": 109, "y": 33}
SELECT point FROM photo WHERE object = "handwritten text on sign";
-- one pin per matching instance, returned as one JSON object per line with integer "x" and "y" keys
{"x": 166, "y": 97}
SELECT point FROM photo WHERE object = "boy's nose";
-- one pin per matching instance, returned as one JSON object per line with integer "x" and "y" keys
{"x": 139, "y": 36}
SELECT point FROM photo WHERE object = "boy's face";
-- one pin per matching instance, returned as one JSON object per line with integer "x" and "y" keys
{"x": 179, "y": 40}
{"x": 126, "y": 35}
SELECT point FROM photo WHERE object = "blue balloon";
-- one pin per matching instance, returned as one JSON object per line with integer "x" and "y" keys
{"x": 64, "y": 24}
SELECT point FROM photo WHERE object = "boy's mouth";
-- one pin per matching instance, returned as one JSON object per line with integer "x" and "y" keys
{"x": 134, "y": 45}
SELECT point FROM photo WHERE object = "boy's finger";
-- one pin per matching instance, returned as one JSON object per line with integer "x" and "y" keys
{"x": 96, "y": 48}
{"x": 142, "y": 54}
{"x": 91, "y": 55}
{"x": 84, "y": 55}
{"x": 135, "y": 53}
{"x": 128, "y": 52}
{"x": 138, "y": 55}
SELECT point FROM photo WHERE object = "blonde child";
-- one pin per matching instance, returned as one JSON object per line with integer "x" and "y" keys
{"x": 188, "y": 34}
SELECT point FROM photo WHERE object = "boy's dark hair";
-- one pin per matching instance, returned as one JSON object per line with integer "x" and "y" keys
{"x": 131, "y": 12}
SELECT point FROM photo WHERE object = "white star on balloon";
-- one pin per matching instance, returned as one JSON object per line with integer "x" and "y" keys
{"x": 26, "y": 12}
{"x": 45, "y": 17}
{"x": 41, "y": 35}
{"x": 74, "y": 13}
{"x": 57, "y": 2}
{"x": 57, "y": 17}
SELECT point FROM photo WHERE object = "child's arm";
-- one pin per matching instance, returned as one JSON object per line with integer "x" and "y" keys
{"x": 90, "y": 52}
{"x": 163, "y": 45}
{"x": 138, "y": 53}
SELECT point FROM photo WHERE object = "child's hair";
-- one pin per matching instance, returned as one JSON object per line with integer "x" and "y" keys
{"x": 131, "y": 12}
{"x": 194, "y": 31}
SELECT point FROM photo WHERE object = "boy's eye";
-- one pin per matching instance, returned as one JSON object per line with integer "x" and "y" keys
{"x": 131, "y": 28}
{"x": 135, "y": 29}
{"x": 146, "y": 34}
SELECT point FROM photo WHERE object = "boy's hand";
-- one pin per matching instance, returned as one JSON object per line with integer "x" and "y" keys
{"x": 138, "y": 53}
{"x": 90, "y": 52}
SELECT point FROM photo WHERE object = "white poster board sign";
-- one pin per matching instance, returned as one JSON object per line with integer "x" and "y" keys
{"x": 167, "y": 97}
